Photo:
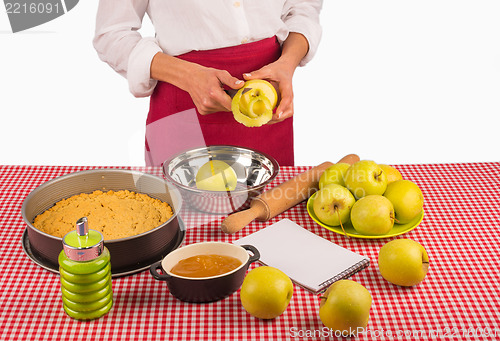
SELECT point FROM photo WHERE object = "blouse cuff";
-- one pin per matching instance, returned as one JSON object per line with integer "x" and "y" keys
{"x": 139, "y": 67}
{"x": 311, "y": 32}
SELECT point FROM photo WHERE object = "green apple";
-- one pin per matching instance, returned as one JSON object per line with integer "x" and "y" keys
{"x": 392, "y": 173}
{"x": 216, "y": 175}
{"x": 266, "y": 292}
{"x": 403, "y": 262}
{"x": 332, "y": 205}
{"x": 365, "y": 177}
{"x": 345, "y": 307}
{"x": 334, "y": 175}
{"x": 372, "y": 215}
{"x": 407, "y": 199}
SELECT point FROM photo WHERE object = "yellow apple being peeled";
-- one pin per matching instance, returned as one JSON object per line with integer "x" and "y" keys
{"x": 266, "y": 292}
{"x": 334, "y": 175}
{"x": 392, "y": 173}
{"x": 345, "y": 307}
{"x": 403, "y": 262}
{"x": 253, "y": 104}
{"x": 407, "y": 199}
{"x": 216, "y": 175}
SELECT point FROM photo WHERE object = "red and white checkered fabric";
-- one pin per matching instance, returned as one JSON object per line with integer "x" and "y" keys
{"x": 457, "y": 300}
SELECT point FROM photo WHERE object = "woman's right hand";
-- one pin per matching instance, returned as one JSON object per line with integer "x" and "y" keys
{"x": 204, "y": 84}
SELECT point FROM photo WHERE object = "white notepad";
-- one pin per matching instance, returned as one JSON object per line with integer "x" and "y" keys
{"x": 308, "y": 259}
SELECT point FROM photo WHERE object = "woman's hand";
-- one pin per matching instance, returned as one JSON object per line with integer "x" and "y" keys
{"x": 204, "y": 85}
{"x": 280, "y": 73}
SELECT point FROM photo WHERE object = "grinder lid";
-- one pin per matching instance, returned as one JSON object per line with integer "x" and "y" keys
{"x": 83, "y": 244}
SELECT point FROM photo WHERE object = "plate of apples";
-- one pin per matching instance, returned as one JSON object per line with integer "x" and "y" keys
{"x": 366, "y": 200}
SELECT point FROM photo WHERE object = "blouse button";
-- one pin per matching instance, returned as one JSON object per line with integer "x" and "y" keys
{"x": 244, "y": 40}
{"x": 237, "y": 4}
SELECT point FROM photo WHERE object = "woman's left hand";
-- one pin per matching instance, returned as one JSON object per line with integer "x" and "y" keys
{"x": 280, "y": 73}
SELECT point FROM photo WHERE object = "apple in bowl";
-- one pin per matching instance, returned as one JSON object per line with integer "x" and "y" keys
{"x": 372, "y": 215}
{"x": 407, "y": 199}
{"x": 364, "y": 178}
{"x": 332, "y": 205}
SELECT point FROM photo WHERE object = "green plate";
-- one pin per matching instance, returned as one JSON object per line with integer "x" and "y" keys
{"x": 397, "y": 230}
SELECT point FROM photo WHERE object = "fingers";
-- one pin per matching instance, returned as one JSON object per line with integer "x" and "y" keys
{"x": 225, "y": 78}
{"x": 277, "y": 74}
{"x": 212, "y": 98}
{"x": 285, "y": 107}
{"x": 263, "y": 73}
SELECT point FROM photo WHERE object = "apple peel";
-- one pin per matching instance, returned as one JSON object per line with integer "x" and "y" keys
{"x": 253, "y": 104}
{"x": 248, "y": 117}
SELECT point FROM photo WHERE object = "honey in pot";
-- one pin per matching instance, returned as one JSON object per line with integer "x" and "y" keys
{"x": 205, "y": 266}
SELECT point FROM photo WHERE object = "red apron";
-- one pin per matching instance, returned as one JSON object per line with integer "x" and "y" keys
{"x": 174, "y": 125}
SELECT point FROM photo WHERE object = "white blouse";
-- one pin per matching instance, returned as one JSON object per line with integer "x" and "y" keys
{"x": 186, "y": 25}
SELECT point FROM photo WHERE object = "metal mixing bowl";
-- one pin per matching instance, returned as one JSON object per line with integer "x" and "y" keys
{"x": 254, "y": 171}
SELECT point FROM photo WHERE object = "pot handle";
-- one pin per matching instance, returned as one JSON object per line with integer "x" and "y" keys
{"x": 253, "y": 249}
{"x": 153, "y": 269}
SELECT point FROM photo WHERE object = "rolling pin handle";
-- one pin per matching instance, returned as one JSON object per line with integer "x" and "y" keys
{"x": 236, "y": 221}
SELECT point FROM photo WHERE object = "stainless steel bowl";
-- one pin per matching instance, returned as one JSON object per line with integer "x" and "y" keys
{"x": 254, "y": 171}
{"x": 128, "y": 255}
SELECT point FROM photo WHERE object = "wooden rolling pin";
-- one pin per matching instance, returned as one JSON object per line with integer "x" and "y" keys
{"x": 280, "y": 198}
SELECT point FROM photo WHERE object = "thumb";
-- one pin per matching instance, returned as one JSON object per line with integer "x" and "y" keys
{"x": 233, "y": 82}
{"x": 258, "y": 74}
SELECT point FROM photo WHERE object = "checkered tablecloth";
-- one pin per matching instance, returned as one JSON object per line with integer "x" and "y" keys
{"x": 459, "y": 299}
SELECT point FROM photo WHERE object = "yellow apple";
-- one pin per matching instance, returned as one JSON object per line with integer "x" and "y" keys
{"x": 403, "y": 262}
{"x": 216, "y": 175}
{"x": 345, "y": 307}
{"x": 372, "y": 215}
{"x": 266, "y": 292}
{"x": 392, "y": 173}
{"x": 365, "y": 177}
{"x": 332, "y": 205}
{"x": 407, "y": 199}
{"x": 334, "y": 175}
{"x": 254, "y": 107}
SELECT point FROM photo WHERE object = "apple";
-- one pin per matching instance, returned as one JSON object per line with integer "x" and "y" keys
{"x": 334, "y": 175}
{"x": 365, "y": 177}
{"x": 392, "y": 173}
{"x": 407, "y": 199}
{"x": 403, "y": 262}
{"x": 216, "y": 175}
{"x": 266, "y": 292}
{"x": 253, "y": 104}
{"x": 372, "y": 215}
{"x": 332, "y": 205}
{"x": 345, "y": 307}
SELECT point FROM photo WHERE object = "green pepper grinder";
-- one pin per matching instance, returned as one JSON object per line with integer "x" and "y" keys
{"x": 85, "y": 269}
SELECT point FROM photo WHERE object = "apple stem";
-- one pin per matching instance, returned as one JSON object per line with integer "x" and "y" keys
{"x": 342, "y": 226}
{"x": 393, "y": 217}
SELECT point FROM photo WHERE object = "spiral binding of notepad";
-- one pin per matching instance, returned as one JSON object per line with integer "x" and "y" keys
{"x": 345, "y": 274}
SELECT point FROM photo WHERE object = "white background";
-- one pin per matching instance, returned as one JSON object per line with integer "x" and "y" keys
{"x": 393, "y": 81}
